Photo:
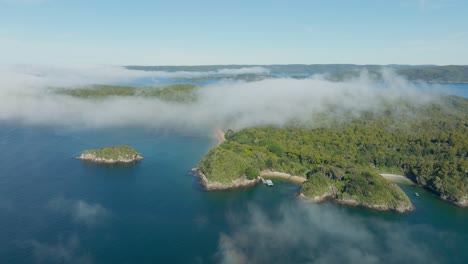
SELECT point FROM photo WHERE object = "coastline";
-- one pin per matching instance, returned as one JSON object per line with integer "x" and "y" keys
{"x": 350, "y": 202}
{"x": 217, "y": 186}
{"x": 282, "y": 175}
{"x": 402, "y": 179}
{"x": 330, "y": 195}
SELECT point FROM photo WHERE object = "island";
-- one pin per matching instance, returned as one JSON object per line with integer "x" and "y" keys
{"x": 343, "y": 158}
{"x": 177, "y": 93}
{"x": 111, "y": 154}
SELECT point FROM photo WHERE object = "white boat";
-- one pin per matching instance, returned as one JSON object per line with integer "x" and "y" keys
{"x": 269, "y": 183}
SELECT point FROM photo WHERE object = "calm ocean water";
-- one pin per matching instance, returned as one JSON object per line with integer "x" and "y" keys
{"x": 56, "y": 209}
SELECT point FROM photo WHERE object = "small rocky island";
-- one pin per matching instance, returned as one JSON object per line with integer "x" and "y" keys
{"x": 112, "y": 154}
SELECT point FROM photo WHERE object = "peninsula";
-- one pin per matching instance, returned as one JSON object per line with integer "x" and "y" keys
{"x": 342, "y": 160}
{"x": 112, "y": 154}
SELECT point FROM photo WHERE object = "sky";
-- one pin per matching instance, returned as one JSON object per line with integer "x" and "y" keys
{"x": 151, "y": 32}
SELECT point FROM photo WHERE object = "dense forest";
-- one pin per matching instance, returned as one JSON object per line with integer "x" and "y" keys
{"x": 428, "y": 144}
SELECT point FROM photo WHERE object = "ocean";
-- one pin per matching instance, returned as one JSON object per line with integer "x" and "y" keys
{"x": 57, "y": 209}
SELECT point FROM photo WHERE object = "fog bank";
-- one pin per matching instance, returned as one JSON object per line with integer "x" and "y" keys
{"x": 26, "y": 96}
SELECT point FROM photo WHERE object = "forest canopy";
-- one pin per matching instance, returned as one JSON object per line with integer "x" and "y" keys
{"x": 428, "y": 144}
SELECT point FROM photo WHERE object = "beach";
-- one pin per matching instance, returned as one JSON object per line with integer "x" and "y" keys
{"x": 219, "y": 134}
{"x": 396, "y": 178}
{"x": 282, "y": 175}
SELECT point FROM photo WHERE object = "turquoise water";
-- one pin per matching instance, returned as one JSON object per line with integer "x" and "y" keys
{"x": 57, "y": 209}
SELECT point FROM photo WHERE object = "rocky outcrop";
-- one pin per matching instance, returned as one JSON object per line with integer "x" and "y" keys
{"x": 213, "y": 185}
{"x": 328, "y": 195}
{"x": 463, "y": 201}
{"x": 402, "y": 208}
{"x": 332, "y": 195}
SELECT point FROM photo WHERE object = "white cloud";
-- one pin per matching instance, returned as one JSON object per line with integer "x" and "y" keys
{"x": 310, "y": 233}
{"x": 40, "y": 76}
{"x": 65, "y": 251}
{"x": 79, "y": 210}
{"x": 25, "y": 96}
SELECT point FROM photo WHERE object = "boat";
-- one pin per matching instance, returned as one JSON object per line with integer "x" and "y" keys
{"x": 269, "y": 183}
{"x": 417, "y": 194}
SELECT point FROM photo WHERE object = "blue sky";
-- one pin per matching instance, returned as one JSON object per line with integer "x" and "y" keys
{"x": 233, "y": 32}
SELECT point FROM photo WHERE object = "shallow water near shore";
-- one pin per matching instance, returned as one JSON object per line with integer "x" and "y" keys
{"x": 55, "y": 208}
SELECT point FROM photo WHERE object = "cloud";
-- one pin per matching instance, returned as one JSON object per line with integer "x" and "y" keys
{"x": 245, "y": 70}
{"x": 80, "y": 211}
{"x": 49, "y": 75}
{"x": 310, "y": 233}
{"x": 25, "y": 96}
{"x": 65, "y": 251}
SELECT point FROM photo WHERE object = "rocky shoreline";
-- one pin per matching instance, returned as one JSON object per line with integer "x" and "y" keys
{"x": 462, "y": 203}
{"x": 213, "y": 185}
{"x": 330, "y": 196}
{"x": 93, "y": 158}
{"x": 111, "y": 154}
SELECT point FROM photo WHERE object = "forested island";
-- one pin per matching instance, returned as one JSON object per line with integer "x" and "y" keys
{"x": 342, "y": 158}
{"x": 112, "y": 154}
{"x": 179, "y": 93}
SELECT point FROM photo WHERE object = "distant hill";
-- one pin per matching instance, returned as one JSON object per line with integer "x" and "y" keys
{"x": 338, "y": 72}
{"x": 440, "y": 74}
{"x": 279, "y": 68}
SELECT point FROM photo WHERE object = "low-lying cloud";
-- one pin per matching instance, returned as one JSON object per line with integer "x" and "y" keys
{"x": 71, "y": 76}
{"x": 80, "y": 211}
{"x": 25, "y": 96}
{"x": 66, "y": 250}
{"x": 306, "y": 233}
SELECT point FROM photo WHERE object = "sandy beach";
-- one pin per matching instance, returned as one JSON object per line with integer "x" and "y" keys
{"x": 282, "y": 175}
{"x": 396, "y": 178}
{"x": 219, "y": 134}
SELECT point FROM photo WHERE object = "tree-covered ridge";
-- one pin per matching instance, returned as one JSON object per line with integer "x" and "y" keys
{"x": 438, "y": 74}
{"x": 182, "y": 93}
{"x": 428, "y": 143}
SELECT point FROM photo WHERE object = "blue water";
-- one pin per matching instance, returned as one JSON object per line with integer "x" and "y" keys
{"x": 57, "y": 209}
{"x": 155, "y": 211}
